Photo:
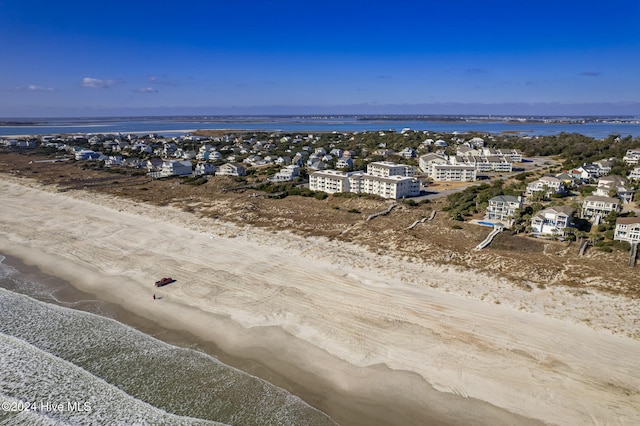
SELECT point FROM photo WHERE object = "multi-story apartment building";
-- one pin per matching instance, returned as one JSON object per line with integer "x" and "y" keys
{"x": 389, "y": 187}
{"x": 427, "y": 161}
{"x": 388, "y": 168}
{"x": 332, "y": 181}
{"x": 453, "y": 172}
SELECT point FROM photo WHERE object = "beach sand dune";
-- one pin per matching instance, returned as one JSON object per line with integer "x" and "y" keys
{"x": 362, "y": 330}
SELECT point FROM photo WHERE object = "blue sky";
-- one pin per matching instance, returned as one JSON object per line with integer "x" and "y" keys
{"x": 72, "y": 58}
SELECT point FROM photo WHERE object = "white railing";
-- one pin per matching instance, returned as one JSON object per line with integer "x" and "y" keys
{"x": 498, "y": 228}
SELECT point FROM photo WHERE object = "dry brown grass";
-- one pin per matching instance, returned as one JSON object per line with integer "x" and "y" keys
{"x": 521, "y": 259}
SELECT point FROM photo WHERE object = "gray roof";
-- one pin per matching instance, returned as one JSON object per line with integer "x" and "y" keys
{"x": 602, "y": 198}
{"x": 505, "y": 199}
{"x": 558, "y": 209}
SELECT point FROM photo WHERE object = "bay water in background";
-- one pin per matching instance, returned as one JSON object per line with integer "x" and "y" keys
{"x": 171, "y": 126}
{"x": 65, "y": 366}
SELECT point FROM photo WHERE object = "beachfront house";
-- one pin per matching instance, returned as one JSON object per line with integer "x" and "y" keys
{"x": 86, "y": 154}
{"x": 599, "y": 206}
{"x": 604, "y": 166}
{"x": 627, "y": 229}
{"x": 568, "y": 179}
{"x": 286, "y": 174}
{"x": 408, "y": 153}
{"x": 176, "y": 168}
{"x": 502, "y": 208}
{"x": 113, "y": 160}
{"x": 552, "y": 221}
{"x": 203, "y": 168}
{"x": 231, "y": 169}
{"x": 153, "y": 164}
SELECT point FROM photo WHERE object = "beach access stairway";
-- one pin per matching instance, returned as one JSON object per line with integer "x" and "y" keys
{"x": 104, "y": 182}
{"x": 424, "y": 219}
{"x": 241, "y": 187}
{"x": 496, "y": 230}
{"x": 382, "y": 213}
{"x": 583, "y": 246}
{"x": 633, "y": 255}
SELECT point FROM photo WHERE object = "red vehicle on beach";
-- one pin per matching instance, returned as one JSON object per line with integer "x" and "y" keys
{"x": 164, "y": 281}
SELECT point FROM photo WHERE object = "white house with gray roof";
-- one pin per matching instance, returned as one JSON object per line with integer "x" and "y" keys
{"x": 552, "y": 221}
{"x": 598, "y": 205}
{"x": 627, "y": 229}
{"x": 503, "y": 207}
{"x": 548, "y": 184}
{"x": 614, "y": 185}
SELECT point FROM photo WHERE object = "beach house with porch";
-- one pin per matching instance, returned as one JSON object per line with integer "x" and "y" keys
{"x": 634, "y": 174}
{"x": 627, "y": 229}
{"x": 614, "y": 185}
{"x": 598, "y": 205}
{"x": 550, "y": 185}
{"x": 176, "y": 168}
{"x": 204, "y": 168}
{"x": 552, "y": 221}
{"x": 231, "y": 169}
{"x": 502, "y": 208}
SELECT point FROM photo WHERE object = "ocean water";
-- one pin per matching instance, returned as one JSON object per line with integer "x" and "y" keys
{"x": 63, "y": 366}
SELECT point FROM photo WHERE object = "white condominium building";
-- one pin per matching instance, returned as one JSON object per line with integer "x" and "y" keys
{"x": 332, "y": 181}
{"x": 427, "y": 161}
{"x": 453, "y": 172}
{"x": 389, "y": 187}
{"x": 388, "y": 168}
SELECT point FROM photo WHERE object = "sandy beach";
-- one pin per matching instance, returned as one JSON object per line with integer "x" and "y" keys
{"x": 357, "y": 334}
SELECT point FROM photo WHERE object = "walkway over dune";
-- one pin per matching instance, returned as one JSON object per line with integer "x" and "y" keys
{"x": 498, "y": 228}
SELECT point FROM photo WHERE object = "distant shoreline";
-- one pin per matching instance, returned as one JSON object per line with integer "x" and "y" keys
{"x": 515, "y": 119}
{"x": 597, "y": 127}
